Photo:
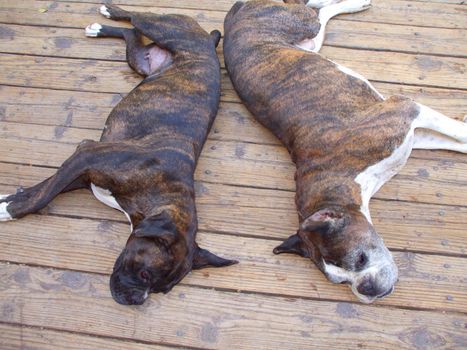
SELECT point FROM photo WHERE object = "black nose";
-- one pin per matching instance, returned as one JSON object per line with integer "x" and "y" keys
{"x": 124, "y": 295}
{"x": 371, "y": 289}
{"x": 367, "y": 288}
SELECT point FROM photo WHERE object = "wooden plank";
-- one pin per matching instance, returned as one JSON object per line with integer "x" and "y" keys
{"x": 89, "y": 110}
{"x": 213, "y": 319}
{"x": 271, "y": 213}
{"x": 16, "y": 337}
{"x": 117, "y": 77}
{"x": 425, "y": 281}
{"x": 79, "y": 15}
{"x": 222, "y": 5}
{"x": 402, "y": 12}
{"x": 424, "y": 181}
{"x": 68, "y": 42}
{"x": 238, "y": 163}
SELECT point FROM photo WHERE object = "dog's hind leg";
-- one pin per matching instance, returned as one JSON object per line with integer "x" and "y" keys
{"x": 428, "y": 139}
{"x": 70, "y": 176}
{"x": 143, "y": 59}
{"x": 433, "y": 120}
{"x": 327, "y": 10}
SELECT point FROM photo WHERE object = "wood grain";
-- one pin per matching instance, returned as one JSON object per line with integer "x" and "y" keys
{"x": 271, "y": 214}
{"x": 425, "y": 281}
{"x": 36, "y": 296}
{"x": 401, "y": 12}
{"x": 16, "y": 337}
{"x": 68, "y": 42}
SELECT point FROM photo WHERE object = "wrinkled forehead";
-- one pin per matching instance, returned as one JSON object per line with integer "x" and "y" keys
{"x": 353, "y": 240}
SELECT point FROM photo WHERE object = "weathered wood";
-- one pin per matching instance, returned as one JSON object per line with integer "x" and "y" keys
{"x": 16, "y": 337}
{"x": 99, "y": 76}
{"x": 89, "y": 110}
{"x": 271, "y": 213}
{"x": 79, "y": 15}
{"x": 67, "y": 42}
{"x": 426, "y": 281}
{"x": 238, "y": 163}
{"x": 402, "y": 12}
{"x": 223, "y": 5}
{"x": 213, "y": 319}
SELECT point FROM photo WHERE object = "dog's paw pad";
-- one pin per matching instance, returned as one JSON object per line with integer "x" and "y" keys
{"x": 104, "y": 11}
{"x": 93, "y": 30}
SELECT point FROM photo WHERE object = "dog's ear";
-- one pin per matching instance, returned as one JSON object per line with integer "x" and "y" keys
{"x": 324, "y": 221}
{"x": 292, "y": 245}
{"x": 160, "y": 227}
{"x": 204, "y": 258}
{"x": 302, "y": 2}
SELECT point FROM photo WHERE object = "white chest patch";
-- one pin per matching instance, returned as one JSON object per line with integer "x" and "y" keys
{"x": 350, "y": 72}
{"x": 375, "y": 176}
{"x": 105, "y": 196}
{"x": 4, "y": 214}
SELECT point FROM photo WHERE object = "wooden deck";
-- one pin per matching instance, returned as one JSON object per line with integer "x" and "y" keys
{"x": 57, "y": 88}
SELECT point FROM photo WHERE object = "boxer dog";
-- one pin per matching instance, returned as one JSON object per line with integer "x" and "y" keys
{"x": 144, "y": 162}
{"x": 345, "y": 138}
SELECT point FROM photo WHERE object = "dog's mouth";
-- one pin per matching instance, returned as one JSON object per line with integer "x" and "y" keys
{"x": 370, "y": 299}
{"x": 127, "y": 295}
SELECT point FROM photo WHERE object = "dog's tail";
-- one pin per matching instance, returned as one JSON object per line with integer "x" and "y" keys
{"x": 216, "y": 37}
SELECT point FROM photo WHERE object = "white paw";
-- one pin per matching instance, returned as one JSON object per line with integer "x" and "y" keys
{"x": 350, "y": 6}
{"x": 104, "y": 11}
{"x": 93, "y": 29}
{"x": 4, "y": 214}
{"x": 465, "y": 118}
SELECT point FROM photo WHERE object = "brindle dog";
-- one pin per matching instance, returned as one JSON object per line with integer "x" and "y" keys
{"x": 144, "y": 162}
{"x": 345, "y": 138}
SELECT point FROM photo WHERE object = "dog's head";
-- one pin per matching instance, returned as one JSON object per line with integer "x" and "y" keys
{"x": 156, "y": 257}
{"x": 273, "y": 21}
{"x": 347, "y": 249}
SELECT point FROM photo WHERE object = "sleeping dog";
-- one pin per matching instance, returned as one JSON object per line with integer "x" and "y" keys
{"x": 345, "y": 138}
{"x": 144, "y": 162}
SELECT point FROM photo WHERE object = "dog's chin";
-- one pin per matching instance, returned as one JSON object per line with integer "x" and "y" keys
{"x": 369, "y": 299}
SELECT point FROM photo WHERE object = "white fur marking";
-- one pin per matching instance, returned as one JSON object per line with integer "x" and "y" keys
{"x": 93, "y": 30}
{"x": 4, "y": 214}
{"x": 376, "y": 175}
{"x": 337, "y": 274}
{"x": 105, "y": 196}
{"x": 104, "y": 11}
{"x": 146, "y": 294}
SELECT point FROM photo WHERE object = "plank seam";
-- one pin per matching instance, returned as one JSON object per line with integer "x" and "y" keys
{"x": 100, "y": 336}
{"x": 239, "y": 291}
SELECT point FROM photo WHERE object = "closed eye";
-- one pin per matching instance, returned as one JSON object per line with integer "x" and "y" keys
{"x": 362, "y": 260}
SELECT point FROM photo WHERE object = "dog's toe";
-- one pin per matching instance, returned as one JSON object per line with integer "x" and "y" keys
{"x": 4, "y": 214}
{"x": 93, "y": 30}
{"x": 104, "y": 11}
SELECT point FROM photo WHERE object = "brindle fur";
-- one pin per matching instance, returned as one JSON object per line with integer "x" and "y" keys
{"x": 147, "y": 153}
{"x": 333, "y": 125}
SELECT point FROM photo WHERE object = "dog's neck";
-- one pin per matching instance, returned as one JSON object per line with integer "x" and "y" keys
{"x": 325, "y": 188}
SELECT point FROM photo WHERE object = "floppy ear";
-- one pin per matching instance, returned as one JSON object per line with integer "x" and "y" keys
{"x": 292, "y": 245}
{"x": 204, "y": 258}
{"x": 324, "y": 221}
{"x": 160, "y": 226}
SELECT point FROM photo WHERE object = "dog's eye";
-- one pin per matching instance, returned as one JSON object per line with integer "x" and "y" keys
{"x": 144, "y": 275}
{"x": 361, "y": 261}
